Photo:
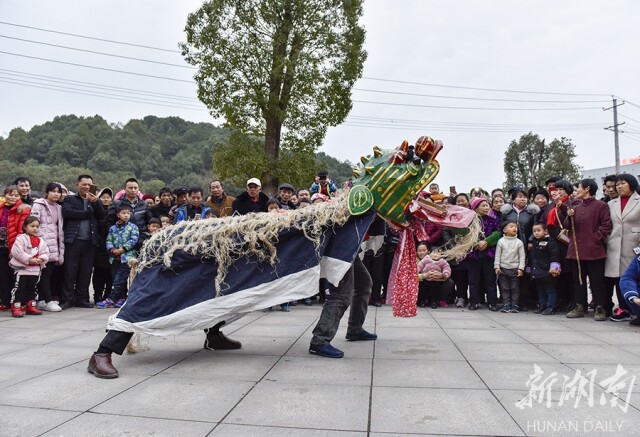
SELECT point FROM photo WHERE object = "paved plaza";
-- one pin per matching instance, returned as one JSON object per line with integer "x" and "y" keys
{"x": 444, "y": 372}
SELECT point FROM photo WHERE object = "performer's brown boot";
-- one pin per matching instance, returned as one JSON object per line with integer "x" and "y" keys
{"x": 101, "y": 367}
{"x": 216, "y": 340}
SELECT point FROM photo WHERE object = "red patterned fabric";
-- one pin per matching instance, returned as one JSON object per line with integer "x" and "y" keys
{"x": 405, "y": 277}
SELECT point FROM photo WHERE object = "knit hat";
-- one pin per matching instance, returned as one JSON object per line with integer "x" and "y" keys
{"x": 565, "y": 185}
{"x": 148, "y": 196}
{"x": 541, "y": 192}
{"x": 507, "y": 222}
{"x": 552, "y": 179}
{"x": 476, "y": 201}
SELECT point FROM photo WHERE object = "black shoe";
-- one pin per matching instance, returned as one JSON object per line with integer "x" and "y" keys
{"x": 635, "y": 322}
{"x": 361, "y": 336}
{"x": 493, "y": 308}
{"x": 84, "y": 304}
{"x": 434, "y": 305}
{"x": 216, "y": 340}
{"x": 65, "y": 305}
{"x": 376, "y": 304}
{"x": 523, "y": 309}
{"x": 473, "y": 306}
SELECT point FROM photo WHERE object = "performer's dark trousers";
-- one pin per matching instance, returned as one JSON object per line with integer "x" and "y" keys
{"x": 115, "y": 341}
{"x": 78, "y": 265}
{"x": 595, "y": 270}
{"x": 354, "y": 289}
{"x": 375, "y": 267}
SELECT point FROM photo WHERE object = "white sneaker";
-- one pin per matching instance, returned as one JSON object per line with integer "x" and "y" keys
{"x": 460, "y": 302}
{"x": 53, "y": 307}
{"x": 41, "y": 305}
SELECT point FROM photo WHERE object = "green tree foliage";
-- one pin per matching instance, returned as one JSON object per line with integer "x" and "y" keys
{"x": 281, "y": 70}
{"x": 530, "y": 161}
{"x": 157, "y": 151}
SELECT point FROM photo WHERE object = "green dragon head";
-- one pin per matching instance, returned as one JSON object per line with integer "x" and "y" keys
{"x": 388, "y": 181}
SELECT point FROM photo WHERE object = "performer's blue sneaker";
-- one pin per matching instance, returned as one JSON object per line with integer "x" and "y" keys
{"x": 326, "y": 351}
{"x": 362, "y": 336}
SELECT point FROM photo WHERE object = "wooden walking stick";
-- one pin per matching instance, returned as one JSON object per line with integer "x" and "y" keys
{"x": 575, "y": 245}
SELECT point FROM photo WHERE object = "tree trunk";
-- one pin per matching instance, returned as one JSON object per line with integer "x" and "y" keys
{"x": 272, "y": 150}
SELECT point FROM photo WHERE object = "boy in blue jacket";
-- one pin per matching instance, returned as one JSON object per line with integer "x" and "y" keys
{"x": 630, "y": 286}
{"x": 121, "y": 243}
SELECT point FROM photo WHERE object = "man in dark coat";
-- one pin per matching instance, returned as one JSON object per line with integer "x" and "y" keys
{"x": 252, "y": 200}
{"x": 81, "y": 213}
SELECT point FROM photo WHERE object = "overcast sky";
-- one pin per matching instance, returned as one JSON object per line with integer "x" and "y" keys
{"x": 571, "y": 47}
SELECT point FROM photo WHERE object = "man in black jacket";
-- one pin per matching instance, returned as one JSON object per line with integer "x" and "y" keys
{"x": 252, "y": 200}
{"x": 81, "y": 213}
{"x": 141, "y": 213}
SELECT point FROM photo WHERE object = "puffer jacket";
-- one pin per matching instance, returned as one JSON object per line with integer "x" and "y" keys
{"x": 17, "y": 215}
{"x": 51, "y": 231}
{"x": 524, "y": 219}
{"x": 22, "y": 252}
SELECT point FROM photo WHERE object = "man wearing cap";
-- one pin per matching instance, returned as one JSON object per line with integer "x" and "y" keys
{"x": 218, "y": 201}
{"x": 252, "y": 200}
{"x": 284, "y": 197}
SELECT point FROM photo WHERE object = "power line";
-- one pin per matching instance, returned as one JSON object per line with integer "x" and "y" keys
{"x": 97, "y": 68}
{"x": 483, "y": 89}
{"x": 462, "y": 129}
{"x": 98, "y": 53}
{"x": 474, "y": 108}
{"x": 478, "y": 98}
{"x": 628, "y": 118}
{"x": 105, "y": 96}
{"x": 456, "y": 123}
{"x": 90, "y": 37}
{"x": 54, "y": 79}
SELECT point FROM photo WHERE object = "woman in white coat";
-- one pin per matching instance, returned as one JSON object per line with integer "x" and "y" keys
{"x": 50, "y": 214}
{"x": 625, "y": 236}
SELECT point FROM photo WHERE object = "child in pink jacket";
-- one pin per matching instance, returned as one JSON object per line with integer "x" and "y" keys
{"x": 29, "y": 255}
{"x": 435, "y": 284}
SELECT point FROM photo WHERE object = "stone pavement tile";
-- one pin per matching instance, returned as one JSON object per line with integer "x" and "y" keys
{"x": 331, "y": 407}
{"x": 483, "y": 335}
{"x": 208, "y": 364}
{"x": 603, "y": 354}
{"x": 108, "y": 425}
{"x": 513, "y": 352}
{"x": 74, "y": 325}
{"x": 228, "y": 430}
{"x": 634, "y": 350}
{"x": 556, "y": 337}
{"x": 606, "y": 371}
{"x": 429, "y": 334}
{"x": 415, "y": 373}
{"x": 10, "y": 375}
{"x": 260, "y": 345}
{"x": 48, "y": 356}
{"x": 587, "y": 324}
{"x": 534, "y": 325}
{"x": 351, "y": 349}
{"x": 484, "y": 323}
{"x": 166, "y": 397}
{"x": 32, "y": 335}
{"x": 87, "y": 339}
{"x": 256, "y": 330}
{"x": 624, "y": 337}
{"x": 288, "y": 319}
{"x": 318, "y": 370}
{"x": 453, "y": 312}
{"x": 28, "y": 422}
{"x": 505, "y": 375}
{"x": 567, "y": 419}
{"x": 406, "y": 322}
{"x": 71, "y": 388}
{"x": 7, "y": 346}
{"x": 417, "y": 350}
{"x": 147, "y": 363}
{"x": 439, "y": 411}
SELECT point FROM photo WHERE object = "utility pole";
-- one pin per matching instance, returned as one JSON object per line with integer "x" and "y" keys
{"x": 614, "y": 128}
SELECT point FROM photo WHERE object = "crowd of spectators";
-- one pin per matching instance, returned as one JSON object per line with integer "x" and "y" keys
{"x": 544, "y": 249}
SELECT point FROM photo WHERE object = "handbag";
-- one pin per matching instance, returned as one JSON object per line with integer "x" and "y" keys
{"x": 563, "y": 235}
